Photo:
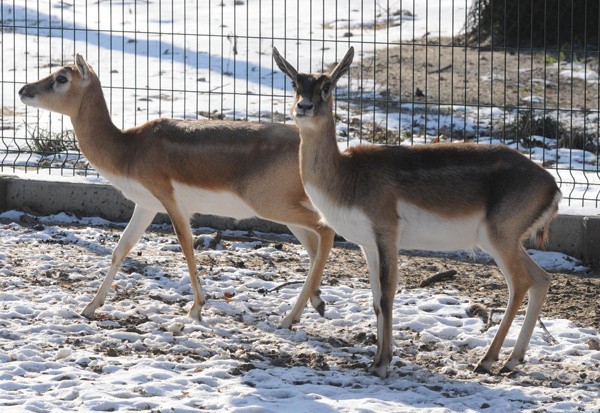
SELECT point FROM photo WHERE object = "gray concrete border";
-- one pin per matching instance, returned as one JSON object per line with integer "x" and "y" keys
{"x": 575, "y": 235}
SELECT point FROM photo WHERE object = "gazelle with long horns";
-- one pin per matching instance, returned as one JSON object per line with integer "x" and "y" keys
{"x": 226, "y": 168}
{"x": 429, "y": 197}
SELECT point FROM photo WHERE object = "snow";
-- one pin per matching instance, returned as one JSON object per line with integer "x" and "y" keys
{"x": 578, "y": 70}
{"x": 144, "y": 353}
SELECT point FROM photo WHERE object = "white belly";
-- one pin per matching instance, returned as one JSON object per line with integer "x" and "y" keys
{"x": 421, "y": 229}
{"x": 417, "y": 228}
{"x": 190, "y": 199}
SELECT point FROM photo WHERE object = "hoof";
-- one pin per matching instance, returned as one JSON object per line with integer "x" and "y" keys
{"x": 481, "y": 370}
{"x": 378, "y": 369}
{"x": 90, "y": 317}
{"x": 505, "y": 369}
{"x": 484, "y": 367}
{"x": 321, "y": 309}
{"x": 288, "y": 322}
{"x": 196, "y": 313}
{"x": 317, "y": 303}
{"x": 89, "y": 312}
{"x": 510, "y": 365}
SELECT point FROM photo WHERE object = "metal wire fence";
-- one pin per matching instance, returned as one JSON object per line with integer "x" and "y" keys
{"x": 421, "y": 75}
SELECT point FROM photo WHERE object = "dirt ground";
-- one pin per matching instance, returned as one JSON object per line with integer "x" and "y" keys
{"x": 445, "y": 73}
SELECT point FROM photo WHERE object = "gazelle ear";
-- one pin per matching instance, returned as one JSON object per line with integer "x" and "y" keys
{"x": 284, "y": 65}
{"x": 343, "y": 66}
{"x": 82, "y": 66}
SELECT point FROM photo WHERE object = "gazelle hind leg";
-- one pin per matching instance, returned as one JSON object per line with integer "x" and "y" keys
{"x": 140, "y": 220}
{"x": 519, "y": 281}
{"x": 318, "y": 245}
{"x": 537, "y": 296}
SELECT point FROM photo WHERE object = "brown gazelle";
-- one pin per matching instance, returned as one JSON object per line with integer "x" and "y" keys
{"x": 227, "y": 168}
{"x": 429, "y": 197}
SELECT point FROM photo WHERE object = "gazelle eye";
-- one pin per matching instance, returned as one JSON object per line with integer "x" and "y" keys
{"x": 325, "y": 90}
{"x": 61, "y": 79}
{"x": 294, "y": 86}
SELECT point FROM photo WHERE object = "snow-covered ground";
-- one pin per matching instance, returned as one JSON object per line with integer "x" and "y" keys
{"x": 144, "y": 353}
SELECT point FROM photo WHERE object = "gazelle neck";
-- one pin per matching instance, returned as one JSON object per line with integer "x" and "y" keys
{"x": 99, "y": 139}
{"x": 319, "y": 150}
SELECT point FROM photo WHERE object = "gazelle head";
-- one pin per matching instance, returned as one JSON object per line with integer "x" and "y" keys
{"x": 313, "y": 99}
{"x": 62, "y": 91}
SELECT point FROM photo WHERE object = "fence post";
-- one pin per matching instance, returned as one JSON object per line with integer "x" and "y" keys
{"x": 591, "y": 241}
{"x": 4, "y": 181}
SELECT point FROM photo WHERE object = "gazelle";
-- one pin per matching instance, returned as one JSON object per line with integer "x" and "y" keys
{"x": 227, "y": 168}
{"x": 430, "y": 197}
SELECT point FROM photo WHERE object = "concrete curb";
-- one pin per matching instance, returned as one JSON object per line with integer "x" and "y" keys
{"x": 102, "y": 200}
{"x": 575, "y": 235}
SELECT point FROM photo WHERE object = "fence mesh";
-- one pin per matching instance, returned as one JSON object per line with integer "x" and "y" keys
{"x": 421, "y": 75}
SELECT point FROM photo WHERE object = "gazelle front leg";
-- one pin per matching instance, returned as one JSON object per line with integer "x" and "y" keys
{"x": 183, "y": 230}
{"x": 140, "y": 220}
{"x": 383, "y": 271}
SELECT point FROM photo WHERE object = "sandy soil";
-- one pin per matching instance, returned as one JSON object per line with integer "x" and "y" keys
{"x": 452, "y": 74}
